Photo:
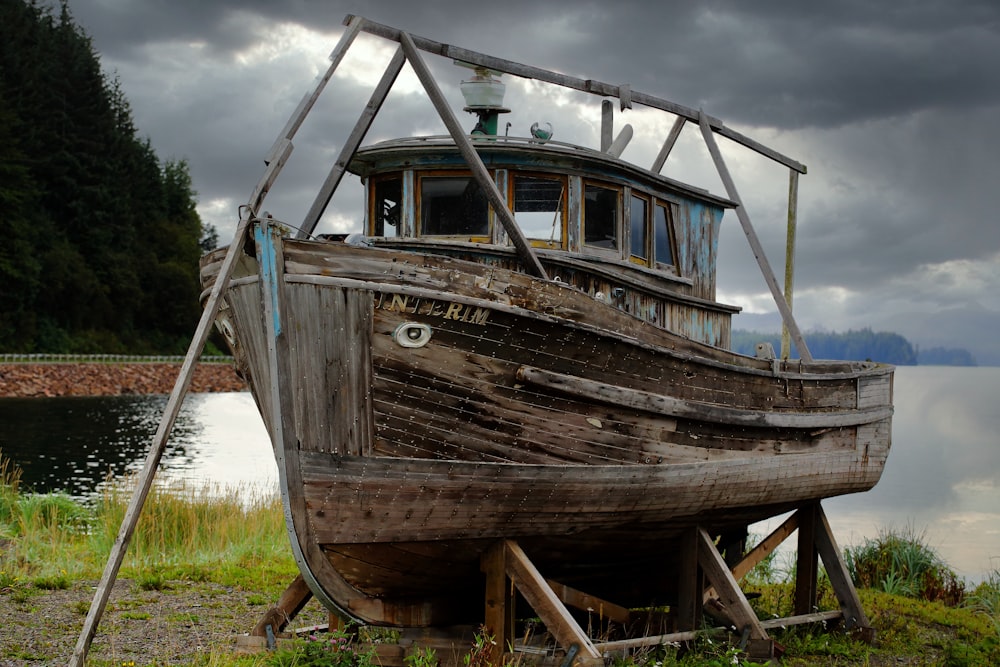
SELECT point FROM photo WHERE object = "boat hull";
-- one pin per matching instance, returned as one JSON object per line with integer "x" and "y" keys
{"x": 531, "y": 412}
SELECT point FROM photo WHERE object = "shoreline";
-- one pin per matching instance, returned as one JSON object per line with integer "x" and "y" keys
{"x": 49, "y": 380}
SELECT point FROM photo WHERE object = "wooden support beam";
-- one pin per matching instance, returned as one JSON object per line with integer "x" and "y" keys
{"x": 289, "y": 605}
{"x": 689, "y": 582}
{"x": 807, "y": 563}
{"x": 585, "y": 602}
{"x": 585, "y": 85}
{"x": 281, "y": 152}
{"x": 350, "y": 146}
{"x": 688, "y": 635}
{"x": 793, "y": 208}
{"x": 472, "y": 159}
{"x": 546, "y": 604}
{"x": 751, "y": 234}
{"x": 353, "y": 24}
{"x": 840, "y": 578}
{"x": 499, "y": 616}
{"x": 737, "y": 608}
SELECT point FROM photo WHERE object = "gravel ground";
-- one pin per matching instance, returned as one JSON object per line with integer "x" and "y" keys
{"x": 171, "y": 626}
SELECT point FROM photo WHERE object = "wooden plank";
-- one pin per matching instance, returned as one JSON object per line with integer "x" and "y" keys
{"x": 475, "y": 163}
{"x": 152, "y": 461}
{"x": 351, "y": 145}
{"x": 737, "y": 608}
{"x": 353, "y": 24}
{"x": 289, "y": 605}
{"x": 807, "y": 563}
{"x": 793, "y": 206}
{"x": 499, "y": 618}
{"x": 673, "y": 637}
{"x": 668, "y": 145}
{"x": 585, "y": 85}
{"x": 674, "y": 407}
{"x": 836, "y": 570}
{"x": 755, "y": 245}
{"x": 543, "y": 600}
{"x": 689, "y": 582}
{"x": 589, "y": 603}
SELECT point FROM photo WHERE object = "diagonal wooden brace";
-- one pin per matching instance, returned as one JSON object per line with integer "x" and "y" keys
{"x": 736, "y": 605}
{"x": 507, "y": 558}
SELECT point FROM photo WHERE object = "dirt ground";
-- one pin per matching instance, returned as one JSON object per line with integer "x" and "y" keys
{"x": 170, "y": 626}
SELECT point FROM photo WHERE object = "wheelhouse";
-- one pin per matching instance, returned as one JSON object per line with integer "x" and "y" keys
{"x": 649, "y": 243}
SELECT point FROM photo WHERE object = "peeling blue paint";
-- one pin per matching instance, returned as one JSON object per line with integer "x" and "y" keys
{"x": 268, "y": 270}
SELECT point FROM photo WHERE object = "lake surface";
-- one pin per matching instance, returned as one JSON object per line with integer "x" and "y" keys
{"x": 941, "y": 479}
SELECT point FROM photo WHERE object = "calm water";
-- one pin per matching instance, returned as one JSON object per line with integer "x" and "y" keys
{"x": 942, "y": 478}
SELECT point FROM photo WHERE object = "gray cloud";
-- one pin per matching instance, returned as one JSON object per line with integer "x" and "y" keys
{"x": 891, "y": 105}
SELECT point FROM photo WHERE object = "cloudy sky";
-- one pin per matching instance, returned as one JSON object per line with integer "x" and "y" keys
{"x": 893, "y": 106}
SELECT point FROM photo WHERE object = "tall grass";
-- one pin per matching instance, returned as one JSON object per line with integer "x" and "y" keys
{"x": 985, "y": 598}
{"x": 207, "y": 533}
{"x": 901, "y": 563}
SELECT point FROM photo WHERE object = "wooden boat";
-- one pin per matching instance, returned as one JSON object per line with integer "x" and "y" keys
{"x": 524, "y": 345}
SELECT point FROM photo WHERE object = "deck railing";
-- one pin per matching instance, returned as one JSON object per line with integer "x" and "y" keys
{"x": 44, "y": 358}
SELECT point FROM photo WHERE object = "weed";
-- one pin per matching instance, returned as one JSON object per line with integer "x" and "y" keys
{"x": 481, "y": 654}
{"x": 150, "y": 581}
{"x": 56, "y": 582}
{"x": 900, "y": 563}
{"x": 421, "y": 658}
{"x": 137, "y": 615}
{"x": 337, "y": 649}
{"x": 985, "y": 599}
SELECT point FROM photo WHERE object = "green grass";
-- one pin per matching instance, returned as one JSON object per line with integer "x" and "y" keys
{"x": 209, "y": 534}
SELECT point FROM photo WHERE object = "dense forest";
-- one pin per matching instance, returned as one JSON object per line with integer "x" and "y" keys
{"x": 859, "y": 345}
{"x": 102, "y": 239}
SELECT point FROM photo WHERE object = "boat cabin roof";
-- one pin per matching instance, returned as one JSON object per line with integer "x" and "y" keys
{"x": 525, "y": 154}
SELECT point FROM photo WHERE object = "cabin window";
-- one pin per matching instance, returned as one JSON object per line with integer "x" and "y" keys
{"x": 453, "y": 206}
{"x": 663, "y": 241}
{"x": 638, "y": 215}
{"x": 387, "y": 207}
{"x": 600, "y": 216}
{"x": 539, "y": 207}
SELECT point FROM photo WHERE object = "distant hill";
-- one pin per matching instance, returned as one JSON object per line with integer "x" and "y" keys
{"x": 858, "y": 345}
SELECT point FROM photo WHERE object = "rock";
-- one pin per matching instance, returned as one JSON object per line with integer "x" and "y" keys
{"x": 98, "y": 379}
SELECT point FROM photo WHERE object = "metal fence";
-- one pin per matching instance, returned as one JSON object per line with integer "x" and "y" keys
{"x": 16, "y": 358}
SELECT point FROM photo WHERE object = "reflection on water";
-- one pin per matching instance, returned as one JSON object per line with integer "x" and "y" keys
{"x": 73, "y": 444}
{"x": 942, "y": 478}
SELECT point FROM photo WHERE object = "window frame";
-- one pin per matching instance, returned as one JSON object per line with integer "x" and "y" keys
{"x": 372, "y": 224}
{"x": 418, "y": 225}
{"x": 619, "y": 215}
{"x": 563, "y": 179}
{"x": 671, "y": 225}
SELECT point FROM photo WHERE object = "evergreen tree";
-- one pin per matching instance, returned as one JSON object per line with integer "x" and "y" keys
{"x": 103, "y": 240}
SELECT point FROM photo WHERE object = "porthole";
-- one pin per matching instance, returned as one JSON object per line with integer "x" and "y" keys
{"x": 412, "y": 334}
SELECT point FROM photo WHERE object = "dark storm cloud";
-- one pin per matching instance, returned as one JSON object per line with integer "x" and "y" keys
{"x": 787, "y": 64}
{"x": 892, "y": 106}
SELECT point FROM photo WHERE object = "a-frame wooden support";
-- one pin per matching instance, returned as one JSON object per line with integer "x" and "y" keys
{"x": 703, "y": 577}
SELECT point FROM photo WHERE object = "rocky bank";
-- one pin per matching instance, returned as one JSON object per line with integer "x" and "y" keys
{"x": 110, "y": 379}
